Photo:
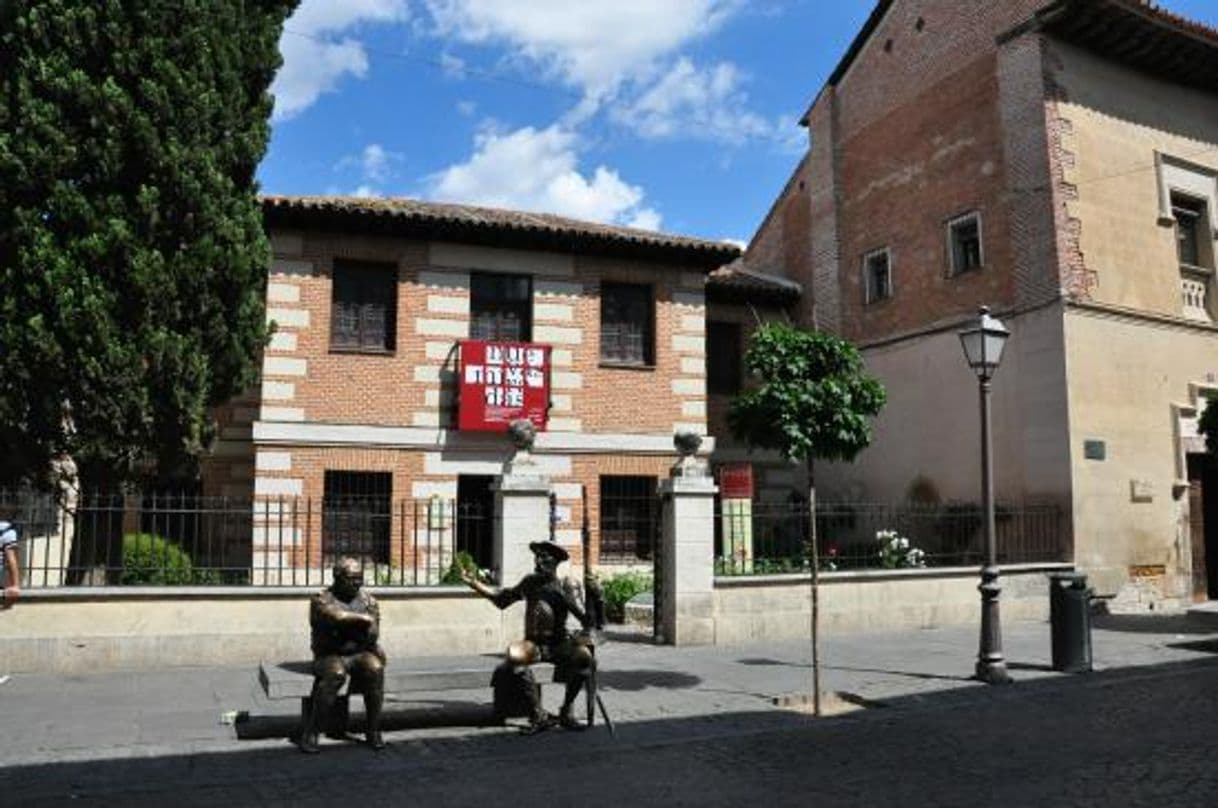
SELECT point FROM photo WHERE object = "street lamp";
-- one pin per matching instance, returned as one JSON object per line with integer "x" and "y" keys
{"x": 983, "y": 345}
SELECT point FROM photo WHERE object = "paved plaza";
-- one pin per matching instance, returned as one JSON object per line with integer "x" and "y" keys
{"x": 694, "y": 726}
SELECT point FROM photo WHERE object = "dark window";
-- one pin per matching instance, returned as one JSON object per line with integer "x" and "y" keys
{"x": 877, "y": 276}
{"x": 363, "y": 307}
{"x": 626, "y": 324}
{"x": 1189, "y": 214}
{"x": 964, "y": 237}
{"x": 501, "y": 307}
{"x": 628, "y": 518}
{"x": 723, "y": 358}
{"x": 475, "y": 512}
{"x": 356, "y": 516}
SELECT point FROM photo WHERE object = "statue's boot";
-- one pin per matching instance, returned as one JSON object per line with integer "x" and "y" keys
{"x": 309, "y": 735}
{"x": 374, "y": 699}
{"x": 565, "y": 717}
{"x": 325, "y": 694}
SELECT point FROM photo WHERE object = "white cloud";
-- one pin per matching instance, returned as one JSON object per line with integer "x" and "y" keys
{"x": 366, "y": 191}
{"x": 695, "y": 103}
{"x": 538, "y": 170}
{"x": 592, "y": 45}
{"x": 315, "y": 59}
{"x": 375, "y": 162}
{"x": 467, "y": 108}
{"x": 624, "y": 57}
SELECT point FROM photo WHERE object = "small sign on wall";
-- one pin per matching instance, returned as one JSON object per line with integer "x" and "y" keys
{"x": 736, "y": 481}
{"x": 1095, "y": 449}
{"x": 1141, "y": 491}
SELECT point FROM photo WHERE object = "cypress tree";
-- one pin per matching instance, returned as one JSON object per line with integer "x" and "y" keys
{"x": 132, "y": 253}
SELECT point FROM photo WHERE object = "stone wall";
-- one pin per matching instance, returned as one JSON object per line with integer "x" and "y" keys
{"x": 78, "y": 631}
{"x": 764, "y": 608}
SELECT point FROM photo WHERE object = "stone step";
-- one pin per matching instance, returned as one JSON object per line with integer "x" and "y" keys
{"x": 295, "y": 679}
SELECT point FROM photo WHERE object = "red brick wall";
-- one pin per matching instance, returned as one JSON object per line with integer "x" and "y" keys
{"x": 903, "y": 177}
{"x": 371, "y": 389}
{"x": 924, "y": 126}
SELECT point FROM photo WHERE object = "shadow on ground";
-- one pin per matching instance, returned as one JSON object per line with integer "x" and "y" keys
{"x": 784, "y": 752}
{"x": 1152, "y": 623}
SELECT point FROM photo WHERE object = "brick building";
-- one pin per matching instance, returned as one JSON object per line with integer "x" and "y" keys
{"x": 358, "y": 401}
{"x": 1058, "y": 162}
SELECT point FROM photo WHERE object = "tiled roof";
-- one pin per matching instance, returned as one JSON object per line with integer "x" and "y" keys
{"x": 1141, "y": 34}
{"x": 737, "y": 283}
{"x": 1183, "y": 22}
{"x": 491, "y": 226}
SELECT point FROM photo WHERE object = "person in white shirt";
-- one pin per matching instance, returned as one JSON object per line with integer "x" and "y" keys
{"x": 12, "y": 573}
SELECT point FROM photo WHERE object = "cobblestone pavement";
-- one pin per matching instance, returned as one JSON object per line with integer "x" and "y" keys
{"x": 1113, "y": 739}
{"x": 695, "y": 727}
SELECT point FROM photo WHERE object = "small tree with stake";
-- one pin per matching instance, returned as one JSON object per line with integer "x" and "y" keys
{"x": 812, "y": 401}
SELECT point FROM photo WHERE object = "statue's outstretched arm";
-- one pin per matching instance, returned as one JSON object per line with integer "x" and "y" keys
{"x": 501, "y": 597}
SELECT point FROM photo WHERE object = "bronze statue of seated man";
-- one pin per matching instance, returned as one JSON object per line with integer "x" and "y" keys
{"x": 546, "y": 639}
{"x": 345, "y": 623}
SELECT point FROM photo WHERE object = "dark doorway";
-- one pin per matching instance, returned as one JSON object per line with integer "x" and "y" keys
{"x": 1203, "y": 524}
{"x": 475, "y": 518}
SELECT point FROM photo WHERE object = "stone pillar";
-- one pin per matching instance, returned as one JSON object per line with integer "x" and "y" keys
{"x": 687, "y": 579}
{"x": 522, "y": 515}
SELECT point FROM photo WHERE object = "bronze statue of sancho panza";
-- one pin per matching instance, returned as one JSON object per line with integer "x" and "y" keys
{"x": 546, "y": 639}
{"x": 345, "y": 623}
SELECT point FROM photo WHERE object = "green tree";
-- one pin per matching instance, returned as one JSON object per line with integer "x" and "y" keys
{"x": 132, "y": 253}
{"x": 1207, "y": 425}
{"x": 812, "y": 401}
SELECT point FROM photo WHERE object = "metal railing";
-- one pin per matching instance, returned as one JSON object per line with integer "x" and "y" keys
{"x": 183, "y": 540}
{"x": 767, "y": 538}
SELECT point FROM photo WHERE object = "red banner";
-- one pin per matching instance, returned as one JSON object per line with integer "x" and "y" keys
{"x": 736, "y": 481}
{"x": 501, "y": 382}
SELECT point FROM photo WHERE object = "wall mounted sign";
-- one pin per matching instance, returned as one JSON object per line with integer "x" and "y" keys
{"x": 1094, "y": 449}
{"x": 501, "y": 382}
{"x": 736, "y": 481}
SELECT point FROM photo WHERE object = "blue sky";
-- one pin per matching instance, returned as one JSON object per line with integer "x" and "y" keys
{"x": 677, "y": 115}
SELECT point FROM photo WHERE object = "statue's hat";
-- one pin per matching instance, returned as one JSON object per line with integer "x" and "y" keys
{"x": 549, "y": 548}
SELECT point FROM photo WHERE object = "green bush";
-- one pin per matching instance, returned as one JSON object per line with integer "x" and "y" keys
{"x": 149, "y": 559}
{"x": 619, "y": 589}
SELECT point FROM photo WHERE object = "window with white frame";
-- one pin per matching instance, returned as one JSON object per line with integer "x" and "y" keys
{"x": 1188, "y": 194}
{"x": 877, "y": 275}
{"x": 964, "y": 246}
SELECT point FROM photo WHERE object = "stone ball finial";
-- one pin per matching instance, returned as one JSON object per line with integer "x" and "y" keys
{"x": 523, "y": 434}
{"x": 686, "y": 443}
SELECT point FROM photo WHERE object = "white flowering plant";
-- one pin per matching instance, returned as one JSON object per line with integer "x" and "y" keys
{"x": 896, "y": 551}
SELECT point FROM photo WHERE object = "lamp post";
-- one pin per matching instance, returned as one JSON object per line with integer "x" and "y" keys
{"x": 983, "y": 345}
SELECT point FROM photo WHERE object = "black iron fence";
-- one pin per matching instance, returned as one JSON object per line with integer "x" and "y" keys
{"x": 184, "y": 540}
{"x": 768, "y": 538}
{"x": 162, "y": 539}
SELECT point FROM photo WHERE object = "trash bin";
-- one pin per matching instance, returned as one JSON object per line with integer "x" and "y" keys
{"x": 1070, "y": 618}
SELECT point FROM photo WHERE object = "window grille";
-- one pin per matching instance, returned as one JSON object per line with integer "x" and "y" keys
{"x": 626, "y": 323}
{"x": 357, "y": 515}
{"x": 628, "y": 509}
{"x": 363, "y": 307}
{"x": 501, "y": 308}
